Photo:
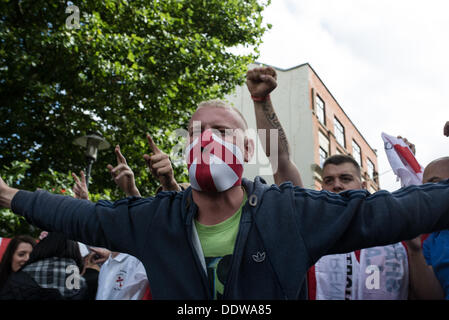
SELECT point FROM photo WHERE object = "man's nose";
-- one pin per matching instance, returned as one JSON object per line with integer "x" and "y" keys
{"x": 338, "y": 186}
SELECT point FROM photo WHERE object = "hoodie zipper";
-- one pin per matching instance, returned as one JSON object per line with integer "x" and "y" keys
{"x": 204, "y": 278}
{"x": 245, "y": 224}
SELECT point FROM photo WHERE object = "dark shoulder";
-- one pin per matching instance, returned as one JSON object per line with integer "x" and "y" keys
{"x": 20, "y": 286}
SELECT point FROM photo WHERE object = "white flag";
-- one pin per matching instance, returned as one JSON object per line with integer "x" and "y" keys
{"x": 402, "y": 161}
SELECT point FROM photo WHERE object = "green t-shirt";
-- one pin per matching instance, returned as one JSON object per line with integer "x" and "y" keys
{"x": 218, "y": 242}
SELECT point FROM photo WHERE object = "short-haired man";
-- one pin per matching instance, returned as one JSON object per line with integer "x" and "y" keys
{"x": 373, "y": 273}
{"x": 274, "y": 236}
{"x": 341, "y": 173}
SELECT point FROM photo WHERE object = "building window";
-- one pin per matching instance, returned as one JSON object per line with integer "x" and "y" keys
{"x": 323, "y": 142}
{"x": 356, "y": 153}
{"x": 323, "y": 156}
{"x": 370, "y": 168}
{"x": 320, "y": 111}
{"x": 339, "y": 132}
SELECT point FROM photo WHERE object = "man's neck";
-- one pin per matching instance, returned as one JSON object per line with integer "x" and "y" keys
{"x": 216, "y": 207}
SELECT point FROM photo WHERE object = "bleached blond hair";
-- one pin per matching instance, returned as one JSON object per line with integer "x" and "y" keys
{"x": 217, "y": 103}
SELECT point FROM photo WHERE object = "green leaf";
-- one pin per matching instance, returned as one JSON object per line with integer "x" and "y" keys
{"x": 131, "y": 56}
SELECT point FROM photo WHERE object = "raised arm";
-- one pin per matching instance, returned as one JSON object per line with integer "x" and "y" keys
{"x": 118, "y": 226}
{"x": 424, "y": 284}
{"x": 261, "y": 82}
{"x": 337, "y": 223}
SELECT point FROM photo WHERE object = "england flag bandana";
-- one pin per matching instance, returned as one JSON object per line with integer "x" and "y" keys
{"x": 214, "y": 165}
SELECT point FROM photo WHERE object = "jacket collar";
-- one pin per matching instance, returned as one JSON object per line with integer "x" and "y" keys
{"x": 254, "y": 190}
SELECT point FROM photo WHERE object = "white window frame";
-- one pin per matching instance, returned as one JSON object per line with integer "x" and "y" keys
{"x": 320, "y": 110}
{"x": 339, "y": 134}
{"x": 359, "y": 152}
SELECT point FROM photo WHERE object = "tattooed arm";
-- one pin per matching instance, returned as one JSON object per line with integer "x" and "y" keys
{"x": 260, "y": 82}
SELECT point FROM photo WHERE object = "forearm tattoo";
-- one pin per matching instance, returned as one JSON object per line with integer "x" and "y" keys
{"x": 272, "y": 118}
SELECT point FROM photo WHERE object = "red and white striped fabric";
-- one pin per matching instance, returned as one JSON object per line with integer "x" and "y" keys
{"x": 3, "y": 245}
{"x": 213, "y": 163}
{"x": 402, "y": 161}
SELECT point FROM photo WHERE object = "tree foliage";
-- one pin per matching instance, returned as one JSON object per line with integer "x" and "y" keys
{"x": 130, "y": 67}
{"x": 55, "y": 182}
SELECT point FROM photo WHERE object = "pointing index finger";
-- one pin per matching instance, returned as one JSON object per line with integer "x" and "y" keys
{"x": 75, "y": 177}
{"x": 83, "y": 177}
{"x": 153, "y": 146}
{"x": 120, "y": 157}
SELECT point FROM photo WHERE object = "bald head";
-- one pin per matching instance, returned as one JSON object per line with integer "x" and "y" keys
{"x": 437, "y": 170}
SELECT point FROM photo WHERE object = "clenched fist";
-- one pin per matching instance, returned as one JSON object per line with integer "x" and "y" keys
{"x": 261, "y": 81}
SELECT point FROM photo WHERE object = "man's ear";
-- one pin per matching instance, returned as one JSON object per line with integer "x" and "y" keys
{"x": 249, "y": 149}
{"x": 364, "y": 185}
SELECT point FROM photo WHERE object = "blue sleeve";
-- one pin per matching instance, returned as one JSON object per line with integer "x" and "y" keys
{"x": 427, "y": 247}
{"x": 336, "y": 223}
{"x": 113, "y": 225}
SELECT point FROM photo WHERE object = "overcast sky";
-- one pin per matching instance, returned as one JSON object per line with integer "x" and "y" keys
{"x": 386, "y": 63}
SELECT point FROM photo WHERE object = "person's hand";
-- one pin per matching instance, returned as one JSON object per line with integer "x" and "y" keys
{"x": 6, "y": 194}
{"x": 160, "y": 166}
{"x": 261, "y": 81}
{"x": 89, "y": 262}
{"x": 43, "y": 235}
{"x": 446, "y": 129}
{"x": 3, "y": 186}
{"x": 80, "y": 188}
{"x": 410, "y": 145}
{"x": 123, "y": 176}
{"x": 100, "y": 255}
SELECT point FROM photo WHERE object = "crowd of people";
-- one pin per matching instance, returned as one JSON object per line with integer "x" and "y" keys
{"x": 225, "y": 237}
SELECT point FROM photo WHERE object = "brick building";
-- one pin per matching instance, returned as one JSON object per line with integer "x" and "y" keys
{"x": 315, "y": 124}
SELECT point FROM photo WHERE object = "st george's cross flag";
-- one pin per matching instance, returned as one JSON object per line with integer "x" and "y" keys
{"x": 402, "y": 161}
